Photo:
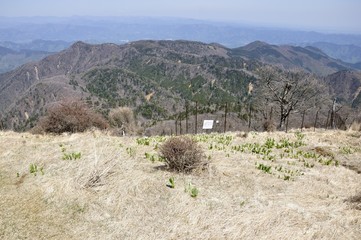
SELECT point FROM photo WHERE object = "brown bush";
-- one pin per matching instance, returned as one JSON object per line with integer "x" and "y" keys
{"x": 356, "y": 124}
{"x": 356, "y": 201}
{"x": 269, "y": 126}
{"x": 123, "y": 119}
{"x": 324, "y": 152}
{"x": 182, "y": 154}
{"x": 72, "y": 116}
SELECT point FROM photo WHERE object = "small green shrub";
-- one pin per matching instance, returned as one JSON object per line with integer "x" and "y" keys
{"x": 71, "y": 156}
{"x": 192, "y": 190}
{"x": 33, "y": 169}
{"x": 153, "y": 157}
{"x": 130, "y": 151}
{"x": 264, "y": 168}
{"x": 182, "y": 154}
{"x": 143, "y": 141}
{"x": 346, "y": 150}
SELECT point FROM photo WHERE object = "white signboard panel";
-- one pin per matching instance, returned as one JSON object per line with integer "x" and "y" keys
{"x": 207, "y": 124}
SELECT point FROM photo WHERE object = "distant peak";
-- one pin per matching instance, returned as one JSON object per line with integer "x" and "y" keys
{"x": 79, "y": 44}
{"x": 256, "y": 45}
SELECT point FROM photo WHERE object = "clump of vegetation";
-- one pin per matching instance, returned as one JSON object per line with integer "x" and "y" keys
{"x": 355, "y": 201}
{"x": 131, "y": 151}
{"x": 192, "y": 190}
{"x": 264, "y": 168}
{"x": 69, "y": 156}
{"x": 171, "y": 183}
{"x": 269, "y": 126}
{"x": 34, "y": 169}
{"x": 72, "y": 116}
{"x": 123, "y": 119}
{"x": 182, "y": 154}
{"x": 356, "y": 125}
{"x": 324, "y": 152}
{"x": 72, "y": 156}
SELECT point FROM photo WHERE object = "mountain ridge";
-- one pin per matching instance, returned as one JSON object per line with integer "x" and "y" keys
{"x": 310, "y": 59}
{"x": 109, "y": 75}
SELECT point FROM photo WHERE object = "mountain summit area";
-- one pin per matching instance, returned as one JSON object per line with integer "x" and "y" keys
{"x": 157, "y": 79}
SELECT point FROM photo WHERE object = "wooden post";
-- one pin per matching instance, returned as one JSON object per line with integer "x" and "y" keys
{"x": 225, "y": 118}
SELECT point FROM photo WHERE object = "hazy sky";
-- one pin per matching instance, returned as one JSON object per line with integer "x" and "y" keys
{"x": 324, "y": 15}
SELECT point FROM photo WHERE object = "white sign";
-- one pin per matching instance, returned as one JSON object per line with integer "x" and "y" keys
{"x": 207, "y": 124}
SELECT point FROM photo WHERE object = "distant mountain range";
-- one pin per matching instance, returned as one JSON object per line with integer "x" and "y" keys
{"x": 125, "y": 29}
{"x": 157, "y": 78}
{"x": 37, "y": 45}
{"x": 53, "y": 34}
{"x": 10, "y": 59}
{"x": 310, "y": 59}
{"x": 346, "y": 53}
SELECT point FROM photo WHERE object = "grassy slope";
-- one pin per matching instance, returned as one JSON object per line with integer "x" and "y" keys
{"x": 114, "y": 192}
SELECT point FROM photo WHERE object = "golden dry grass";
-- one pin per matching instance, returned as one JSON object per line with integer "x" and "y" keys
{"x": 114, "y": 192}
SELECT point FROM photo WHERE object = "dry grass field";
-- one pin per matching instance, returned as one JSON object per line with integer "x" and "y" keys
{"x": 259, "y": 186}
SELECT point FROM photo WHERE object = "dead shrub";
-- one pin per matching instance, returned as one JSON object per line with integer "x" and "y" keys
{"x": 356, "y": 125}
{"x": 123, "y": 119}
{"x": 269, "y": 126}
{"x": 182, "y": 154}
{"x": 242, "y": 135}
{"x": 324, "y": 152}
{"x": 355, "y": 201}
{"x": 72, "y": 116}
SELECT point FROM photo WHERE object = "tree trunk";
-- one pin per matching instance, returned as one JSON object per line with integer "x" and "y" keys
{"x": 282, "y": 118}
{"x": 225, "y": 118}
{"x": 303, "y": 119}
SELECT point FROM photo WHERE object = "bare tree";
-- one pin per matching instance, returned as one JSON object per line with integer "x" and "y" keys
{"x": 288, "y": 90}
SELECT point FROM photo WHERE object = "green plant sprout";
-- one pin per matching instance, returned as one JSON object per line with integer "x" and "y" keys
{"x": 71, "y": 156}
{"x": 33, "y": 169}
{"x": 192, "y": 190}
{"x": 171, "y": 183}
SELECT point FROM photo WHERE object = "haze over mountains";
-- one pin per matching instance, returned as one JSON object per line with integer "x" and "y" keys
{"x": 123, "y": 29}
{"x": 53, "y": 34}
